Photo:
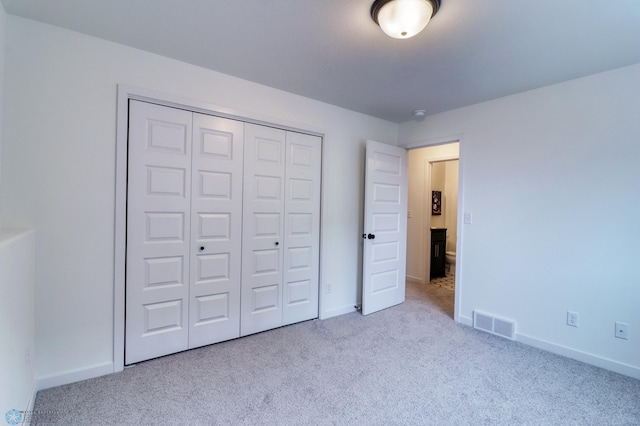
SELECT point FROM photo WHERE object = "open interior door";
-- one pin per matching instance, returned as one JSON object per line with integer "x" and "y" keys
{"x": 385, "y": 227}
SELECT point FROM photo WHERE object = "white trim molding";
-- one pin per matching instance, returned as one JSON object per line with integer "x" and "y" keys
{"x": 607, "y": 364}
{"x": 337, "y": 312}
{"x": 73, "y": 376}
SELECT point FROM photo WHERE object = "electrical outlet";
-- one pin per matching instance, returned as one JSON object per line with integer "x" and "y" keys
{"x": 572, "y": 319}
{"x": 327, "y": 288}
{"x": 622, "y": 330}
{"x": 409, "y": 214}
{"x": 468, "y": 218}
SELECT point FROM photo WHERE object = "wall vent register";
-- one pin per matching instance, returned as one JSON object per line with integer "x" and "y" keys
{"x": 494, "y": 325}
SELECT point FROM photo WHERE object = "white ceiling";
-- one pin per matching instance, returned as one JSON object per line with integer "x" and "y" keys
{"x": 331, "y": 50}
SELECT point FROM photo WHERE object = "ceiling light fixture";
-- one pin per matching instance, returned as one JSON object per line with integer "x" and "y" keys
{"x": 403, "y": 18}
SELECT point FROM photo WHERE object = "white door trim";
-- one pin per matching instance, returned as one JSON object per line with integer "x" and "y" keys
{"x": 124, "y": 94}
{"x": 426, "y": 224}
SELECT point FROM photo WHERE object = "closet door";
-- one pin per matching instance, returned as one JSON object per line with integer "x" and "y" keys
{"x": 216, "y": 230}
{"x": 302, "y": 228}
{"x": 158, "y": 198}
{"x": 223, "y": 223}
{"x": 263, "y": 220}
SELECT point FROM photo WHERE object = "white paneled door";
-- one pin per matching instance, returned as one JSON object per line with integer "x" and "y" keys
{"x": 223, "y": 229}
{"x": 302, "y": 228}
{"x": 281, "y": 228}
{"x": 263, "y": 231}
{"x": 385, "y": 227}
{"x": 158, "y": 206}
{"x": 184, "y": 221}
{"x": 216, "y": 230}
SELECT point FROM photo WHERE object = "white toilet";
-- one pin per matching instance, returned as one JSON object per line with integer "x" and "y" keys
{"x": 450, "y": 261}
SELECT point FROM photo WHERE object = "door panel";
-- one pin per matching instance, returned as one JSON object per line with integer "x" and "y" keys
{"x": 385, "y": 225}
{"x": 157, "y": 231}
{"x": 216, "y": 230}
{"x": 302, "y": 234}
{"x": 263, "y": 214}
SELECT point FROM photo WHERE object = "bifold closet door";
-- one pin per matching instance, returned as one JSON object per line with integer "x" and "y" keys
{"x": 263, "y": 222}
{"x": 184, "y": 226}
{"x": 216, "y": 230}
{"x": 223, "y": 225}
{"x": 158, "y": 206}
{"x": 281, "y": 229}
{"x": 302, "y": 228}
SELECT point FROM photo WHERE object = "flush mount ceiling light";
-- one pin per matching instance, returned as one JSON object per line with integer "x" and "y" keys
{"x": 403, "y": 18}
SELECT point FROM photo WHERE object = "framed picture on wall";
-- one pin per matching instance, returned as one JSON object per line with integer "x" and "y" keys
{"x": 436, "y": 203}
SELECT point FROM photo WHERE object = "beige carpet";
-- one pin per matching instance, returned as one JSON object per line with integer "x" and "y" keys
{"x": 406, "y": 365}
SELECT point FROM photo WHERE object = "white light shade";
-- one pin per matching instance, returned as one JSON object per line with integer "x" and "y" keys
{"x": 404, "y": 18}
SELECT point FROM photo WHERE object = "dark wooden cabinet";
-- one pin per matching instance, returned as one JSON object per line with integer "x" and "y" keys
{"x": 438, "y": 249}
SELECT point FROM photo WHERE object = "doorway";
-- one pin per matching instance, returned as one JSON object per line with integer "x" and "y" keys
{"x": 434, "y": 168}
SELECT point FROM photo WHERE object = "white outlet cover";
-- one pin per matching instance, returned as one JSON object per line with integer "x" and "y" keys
{"x": 622, "y": 330}
{"x": 572, "y": 319}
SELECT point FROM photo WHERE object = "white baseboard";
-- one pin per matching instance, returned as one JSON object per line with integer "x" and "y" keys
{"x": 465, "y": 320}
{"x": 337, "y": 312}
{"x": 32, "y": 402}
{"x": 414, "y": 279}
{"x": 65, "y": 378}
{"x": 607, "y": 364}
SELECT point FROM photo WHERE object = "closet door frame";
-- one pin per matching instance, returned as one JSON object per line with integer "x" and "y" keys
{"x": 124, "y": 94}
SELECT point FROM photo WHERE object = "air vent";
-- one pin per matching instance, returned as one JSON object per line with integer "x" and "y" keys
{"x": 494, "y": 325}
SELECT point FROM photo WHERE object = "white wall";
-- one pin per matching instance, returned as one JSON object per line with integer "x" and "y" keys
{"x": 17, "y": 320}
{"x": 60, "y": 176}
{"x": 419, "y": 202}
{"x": 3, "y": 24}
{"x": 450, "y": 202}
{"x": 17, "y": 315}
{"x": 540, "y": 170}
